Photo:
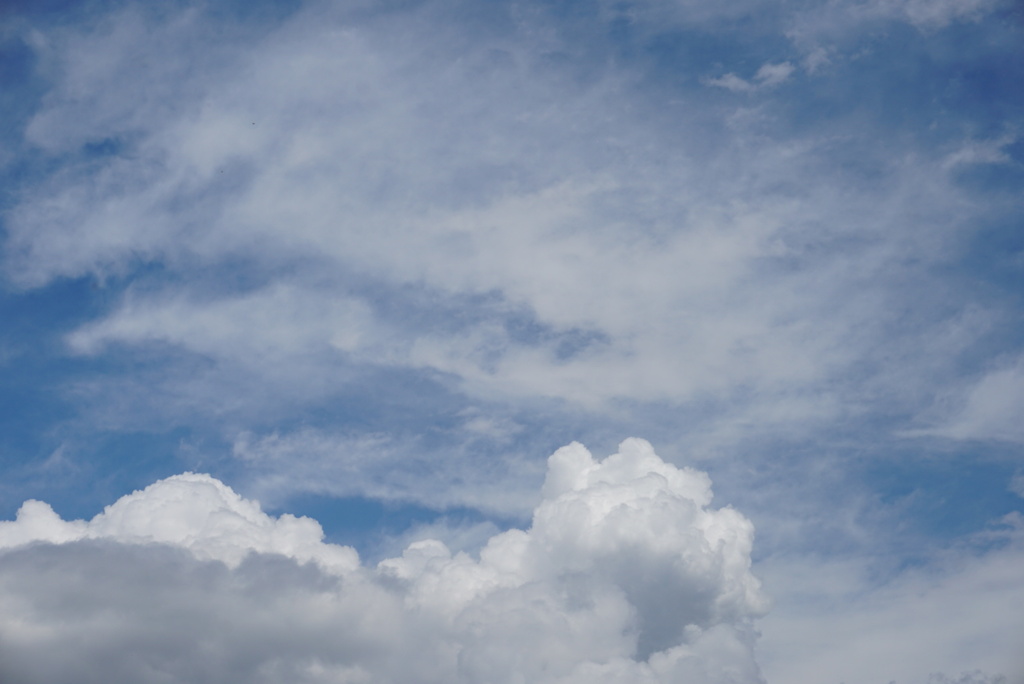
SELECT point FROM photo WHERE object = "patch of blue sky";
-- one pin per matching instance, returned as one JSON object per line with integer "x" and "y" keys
{"x": 50, "y": 446}
{"x": 946, "y": 496}
{"x": 18, "y": 97}
{"x": 113, "y": 462}
{"x": 994, "y": 255}
{"x": 34, "y": 367}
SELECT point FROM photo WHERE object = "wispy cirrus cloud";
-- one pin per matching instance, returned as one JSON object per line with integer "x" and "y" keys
{"x": 722, "y": 270}
{"x": 984, "y": 410}
{"x": 912, "y": 611}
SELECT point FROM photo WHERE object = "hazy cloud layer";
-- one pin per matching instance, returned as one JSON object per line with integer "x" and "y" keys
{"x": 862, "y": 623}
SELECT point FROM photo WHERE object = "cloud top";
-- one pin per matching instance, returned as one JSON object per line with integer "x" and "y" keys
{"x": 194, "y": 511}
{"x": 625, "y": 575}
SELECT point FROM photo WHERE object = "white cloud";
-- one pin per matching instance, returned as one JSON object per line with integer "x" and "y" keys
{"x": 817, "y": 58}
{"x": 989, "y": 409}
{"x": 278, "y": 465}
{"x": 1017, "y": 483}
{"x": 196, "y": 512}
{"x": 655, "y": 15}
{"x": 732, "y": 82}
{"x": 975, "y": 677}
{"x": 981, "y": 152}
{"x": 932, "y": 14}
{"x": 478, "y": 188}
{"x": 844, "y": 621}
{"x": 828, "y": 24}
{"x": 768, "y": 76}
{"x": 625, "y": 575}
{"x": 456, "y": 535}
{"x": 772, "y": 74}
{"x": 259, "y": 327}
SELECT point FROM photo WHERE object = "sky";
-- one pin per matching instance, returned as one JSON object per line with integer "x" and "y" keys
{"x": 557, "y": 342}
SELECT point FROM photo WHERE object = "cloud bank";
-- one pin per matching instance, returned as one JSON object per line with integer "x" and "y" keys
{"x": 625, "y": 575}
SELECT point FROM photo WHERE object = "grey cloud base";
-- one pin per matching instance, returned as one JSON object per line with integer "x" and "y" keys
{"x": 625, "y": 575}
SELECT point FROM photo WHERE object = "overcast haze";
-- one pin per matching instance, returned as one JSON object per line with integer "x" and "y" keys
{"x": 506, "y": 342}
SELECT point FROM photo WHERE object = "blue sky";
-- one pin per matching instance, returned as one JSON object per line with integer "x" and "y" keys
{"x": 374, "y": 263}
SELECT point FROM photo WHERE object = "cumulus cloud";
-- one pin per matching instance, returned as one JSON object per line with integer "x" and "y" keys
{"x": 193, "y": 511}
{"x": 626, "y": 574}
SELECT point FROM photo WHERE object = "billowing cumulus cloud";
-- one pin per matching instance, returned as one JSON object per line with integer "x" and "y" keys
{"x": 196, "y": 512}
{"x": 626, "y": 575}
